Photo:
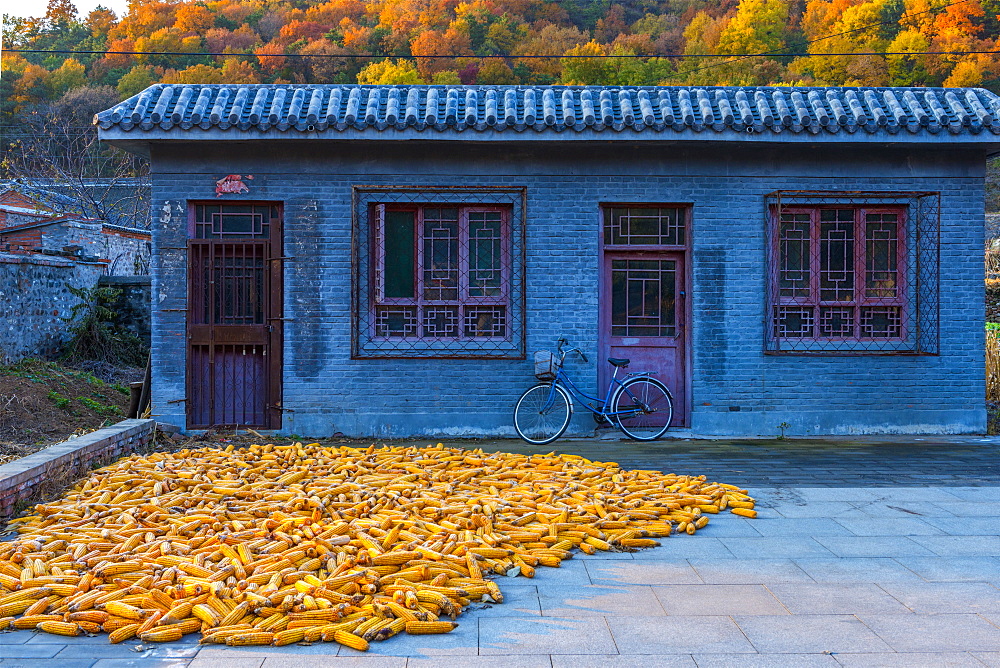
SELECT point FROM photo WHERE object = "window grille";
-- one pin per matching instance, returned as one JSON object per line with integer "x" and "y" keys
{"x": 852, "y": 272}
{"x": 438, "y": 272}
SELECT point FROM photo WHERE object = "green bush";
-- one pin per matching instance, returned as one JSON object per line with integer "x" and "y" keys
{"x": 96, "y": 333}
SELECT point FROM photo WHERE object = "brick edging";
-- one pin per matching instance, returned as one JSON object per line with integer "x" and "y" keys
{"x": 21, "y": 479}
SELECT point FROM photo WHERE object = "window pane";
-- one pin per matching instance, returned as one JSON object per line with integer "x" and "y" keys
{"x": 440, "y": 261}
{"x": 642, "y": 298}
{"x": 655, "y": 226}
{"x": 836, "y": 255}
{"x": 486, "y": 321}
{"x": 793, "y": 244}
{"x": 485, "y": 253}
{"x": 881, "y": 322}
{"x": 792, "y": 322}
{"x": 881, "y": 246}
{"x": 396, "y": 321}
{"x": 399, "y": 251}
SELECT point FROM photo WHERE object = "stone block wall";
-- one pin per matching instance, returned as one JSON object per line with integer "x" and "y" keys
{"x": 45, "y": 472}
{"x": 34, "y": 299}
{"x": 325, "y": 391}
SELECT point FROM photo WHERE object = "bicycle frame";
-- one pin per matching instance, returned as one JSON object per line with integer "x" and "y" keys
{"x": 563, "y": 379}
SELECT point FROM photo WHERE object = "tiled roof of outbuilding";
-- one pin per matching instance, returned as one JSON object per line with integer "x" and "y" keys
{"x": 522, "y": 112}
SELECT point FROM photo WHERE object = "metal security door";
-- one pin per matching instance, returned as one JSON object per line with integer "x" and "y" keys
{"x": 642, "y": 319}
{"x": 234, "y": 319}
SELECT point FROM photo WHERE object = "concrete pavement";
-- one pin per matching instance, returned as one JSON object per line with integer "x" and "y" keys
{"x": 847, "y": 565}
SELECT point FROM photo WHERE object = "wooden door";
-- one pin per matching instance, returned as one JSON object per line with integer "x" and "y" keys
{"x": 642, "y": 297}
{"x": 234, "y": 316}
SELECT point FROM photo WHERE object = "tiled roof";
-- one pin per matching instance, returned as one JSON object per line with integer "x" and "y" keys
{"x": 162, "y": 111}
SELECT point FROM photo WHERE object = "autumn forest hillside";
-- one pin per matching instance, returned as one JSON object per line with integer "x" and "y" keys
{"x": 61, "y": 68}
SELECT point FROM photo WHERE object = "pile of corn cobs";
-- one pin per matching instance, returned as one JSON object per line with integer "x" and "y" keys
{"x": 282, "y": 544}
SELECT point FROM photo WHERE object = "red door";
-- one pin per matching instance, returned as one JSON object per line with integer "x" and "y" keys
{"x": 234, "y": 319}
{"x": 642, "y": 299}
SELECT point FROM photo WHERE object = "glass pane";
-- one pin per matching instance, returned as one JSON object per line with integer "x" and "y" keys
{"x": 233, "y": 221}
{"x": 440, "y": 261}
{"x": 836, "y": 255}
{"x": 485, "y": 253}
{"x": 399, "y": 260}
{"x": 654, "y": 226}
{"x": 793, "y": 322}
{"x": 793, "y": 246}
{"x": 642, "y": 298}
{"x": 881, "y": 255}
{"x": 486, "y": 321}
{"x": 395, "y": 321}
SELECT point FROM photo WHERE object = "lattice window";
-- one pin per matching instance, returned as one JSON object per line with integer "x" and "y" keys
{"x": 853, "y": 272}
{"x": 644, "y": 226}
{"x": 438, "y": 272}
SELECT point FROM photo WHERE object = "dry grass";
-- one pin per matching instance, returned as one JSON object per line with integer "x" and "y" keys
{"x": 992, "y": 367}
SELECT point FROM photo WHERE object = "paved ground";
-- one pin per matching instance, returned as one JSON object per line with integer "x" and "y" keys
{"x": 853, "y": 566}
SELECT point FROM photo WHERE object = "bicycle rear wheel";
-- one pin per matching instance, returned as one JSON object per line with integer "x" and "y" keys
{"x": 542, "y": 413}
{"x": 643, "y": 408}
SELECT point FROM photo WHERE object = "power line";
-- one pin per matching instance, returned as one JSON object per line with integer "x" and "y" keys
{"x": 679, "y": 56}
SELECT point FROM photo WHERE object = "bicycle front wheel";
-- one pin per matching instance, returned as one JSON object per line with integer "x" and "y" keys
{"x": 643, "y": 409}
{"x": 542, "y": 413}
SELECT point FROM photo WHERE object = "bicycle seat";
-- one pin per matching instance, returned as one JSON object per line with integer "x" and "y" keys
{"x": 618, "y": 361}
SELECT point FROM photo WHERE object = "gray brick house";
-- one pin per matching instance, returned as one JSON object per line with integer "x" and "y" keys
{"x": 383, "y": 260}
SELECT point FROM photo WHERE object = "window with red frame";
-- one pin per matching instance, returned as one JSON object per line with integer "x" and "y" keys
{"x": 840, "y": 273}
{"x": 441, "y": 272}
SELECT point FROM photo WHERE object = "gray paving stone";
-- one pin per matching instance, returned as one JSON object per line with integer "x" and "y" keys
{"x": 598, "y": 600}
{"x": 895, "y": 526}
{"x": 809, "y": 634}
{"x": 895, "y": 494}
{"x": 953, "y": 569}
{"x": 524, "y": 661}
{"x": 727, "y": 526}
{"x": 220, "y": 662}
{"x": 264, "y": 651}
{"x": 991, "y": 659}
{"x": 24, "y": 651}
{"x": 573, "y": 571}
{"x": 856, "y": 569}
{"x": 847, "y": 493}
{"x": 835, "y": 599}
{"x": 804, "y": 509}
{"x": 910, "y": 660}
{"x": 874, "y": 546}
{"x": 698, "y": 546}
{"x": 961, "y": 546}
{"x": 748, "y": 571}
{"x": 718, "y": 599}
{"x": 141, "y": 662}
{"x": 16, "y": 637}
{"x": 976, "y": 494}
{"x": 968, "y": 526}
{"x": 899, "y": 508}
{"x": 340, "y": 662}
{"x": 677, "y": 635}
{"x": 47, "y": 663}
{"x": 968, "y": 508}
{"x": 945, "y": 597}
{"x": 616, "y": 661}
{"x": 781, "y": 547}
{"x": 545, "y": 635}
{"x": 517, "y": 601}
{"x": 934, "y": 633}
{"x": 51, "y": 639}
{"x": 642, "y": 572}
{"x": 126, "y": 651}
{"x": 807, "y": 526}
{"x": 766, "y": 661}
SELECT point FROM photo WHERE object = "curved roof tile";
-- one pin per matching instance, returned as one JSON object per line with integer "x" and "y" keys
{"x": 165, "y": 111}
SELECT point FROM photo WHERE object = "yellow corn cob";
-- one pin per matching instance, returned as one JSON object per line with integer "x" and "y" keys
{"x": 114, "y": 623}
{"x": 744, "y": 512}
{"x": 123, "y": 633}
{"x": 289, "y": 636}
{"x": 250, "y": 638}
{"x": 95, "y": 616}
{"x": 350, "y": 640}
{"x": 639, "y": 542}
{"x": 32, "y": 621}
{"x": 162, "y": 634}
{"x": 123, "y": 610}
{"x": 424, "y": 628}
{"x": 59, "y": 628}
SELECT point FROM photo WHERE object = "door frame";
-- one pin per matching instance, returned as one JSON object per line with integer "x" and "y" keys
{"x": 684, "y": 310}
{"x": 274, "y": 305}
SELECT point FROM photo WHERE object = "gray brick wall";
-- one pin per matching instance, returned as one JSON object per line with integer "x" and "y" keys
{"x": 329, "y": 392}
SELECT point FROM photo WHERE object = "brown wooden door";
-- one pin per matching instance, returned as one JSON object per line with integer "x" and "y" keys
{"x": 234, "y": 316}
{"x": 642, "y": 319}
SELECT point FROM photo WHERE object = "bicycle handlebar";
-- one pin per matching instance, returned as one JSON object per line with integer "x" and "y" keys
{"x": 563, "y": 341}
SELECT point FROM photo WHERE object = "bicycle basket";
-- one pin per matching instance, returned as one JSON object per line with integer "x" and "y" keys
{"x": 545, "y": 365}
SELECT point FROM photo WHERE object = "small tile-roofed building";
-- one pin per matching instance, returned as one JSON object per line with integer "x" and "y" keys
{"x": 384, "y": 260}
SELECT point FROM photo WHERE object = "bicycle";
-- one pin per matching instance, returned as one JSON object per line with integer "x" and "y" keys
{"x": 638, "y": 404}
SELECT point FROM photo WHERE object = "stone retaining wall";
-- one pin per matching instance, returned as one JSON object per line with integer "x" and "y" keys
{"x": 43, "y": 472}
